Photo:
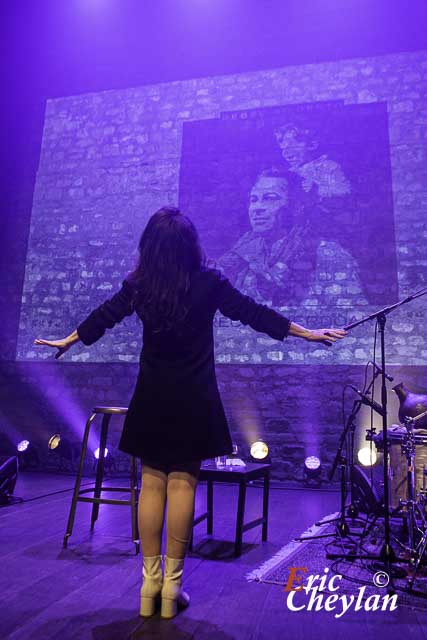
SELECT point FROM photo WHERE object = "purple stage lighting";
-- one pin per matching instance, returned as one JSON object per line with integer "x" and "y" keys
{"x": 96, "y": 453}
{"x": 312, "y": 470}
{"x": 28, "y": 456}
{"x": 23, "y": 445}
{"x": 259, "y": 450}
{"x": 367, "y": 456}
{"x": 64, "y": 448}
{"x": 54, "y": 441}
{"x": 312, "y": 463}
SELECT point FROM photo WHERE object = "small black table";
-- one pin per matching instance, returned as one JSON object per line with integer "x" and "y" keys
{"x": 240, "y": 476}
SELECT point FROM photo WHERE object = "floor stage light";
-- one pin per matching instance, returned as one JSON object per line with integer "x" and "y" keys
{"x": 259, "y": 451}
{"x": 312, "y": 471}
{"x": 367, "y": 456}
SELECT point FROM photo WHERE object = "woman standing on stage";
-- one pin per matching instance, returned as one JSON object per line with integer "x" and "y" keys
{"x": 176, "y": 417}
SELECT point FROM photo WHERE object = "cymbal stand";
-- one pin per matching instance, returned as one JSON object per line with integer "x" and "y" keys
{"x": 416, "y": 549}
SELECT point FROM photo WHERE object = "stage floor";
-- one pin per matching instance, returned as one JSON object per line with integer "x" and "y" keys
{"x": 91, "y": 589}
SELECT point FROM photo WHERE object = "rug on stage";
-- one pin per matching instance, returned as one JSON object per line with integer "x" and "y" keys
{"x": 355, "y": 573}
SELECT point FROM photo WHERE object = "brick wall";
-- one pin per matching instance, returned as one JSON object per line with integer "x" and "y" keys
{"x": 108, "y": 161}
{"x": 296, "y": 409}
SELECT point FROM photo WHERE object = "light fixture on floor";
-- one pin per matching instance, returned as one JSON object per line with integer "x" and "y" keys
{"x": 23, "y": 446}
{"x": 66, "y": 450}
{"x": 109, "y": 461}
{"x": 28, "y": 457}
{"x": 312, "y": 471}
{"x": 96, "y": 453}
{"x": 367, "y": 456}
{"x": 54, "y": 441}
{"x": 259, "y": 451}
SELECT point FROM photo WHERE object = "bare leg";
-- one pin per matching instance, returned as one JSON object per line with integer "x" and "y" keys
{"x": 151, "y": 510}
{"x": 181, "y": 488}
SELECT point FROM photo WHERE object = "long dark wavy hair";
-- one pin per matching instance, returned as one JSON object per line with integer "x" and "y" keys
{"x": 169, "y": 252}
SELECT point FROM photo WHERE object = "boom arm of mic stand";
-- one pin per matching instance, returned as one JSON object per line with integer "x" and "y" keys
{"x": 386, "y": 310}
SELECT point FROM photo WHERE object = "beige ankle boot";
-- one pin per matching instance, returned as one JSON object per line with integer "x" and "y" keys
{"x": 173, "y": 597}
{"x": 152, "y": 584}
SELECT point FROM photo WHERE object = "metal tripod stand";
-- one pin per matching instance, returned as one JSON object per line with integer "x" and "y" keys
{"x": 342, "y": 529}
{"x": 417, "y": 534}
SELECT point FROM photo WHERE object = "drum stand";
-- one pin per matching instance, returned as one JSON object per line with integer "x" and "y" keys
{"x": 410, "y": 504}
{"x": 417, "y": 549}
{"x": 419, "y": 552}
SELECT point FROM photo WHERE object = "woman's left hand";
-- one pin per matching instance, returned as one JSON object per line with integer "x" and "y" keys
{"x": 325, "y": 336}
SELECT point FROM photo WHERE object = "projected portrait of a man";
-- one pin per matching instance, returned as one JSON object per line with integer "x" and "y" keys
{"x": 288, "y": 210}
{"x": 283, "y": 258}
{"x": 258, "y": 262}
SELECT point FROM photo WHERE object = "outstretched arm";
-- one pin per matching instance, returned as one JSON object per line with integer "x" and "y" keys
{"x": 108, "y": 314}
{"x": 62, "y": 345}
{"x": 325, "y": 336}
{"x": 237, "y": 306}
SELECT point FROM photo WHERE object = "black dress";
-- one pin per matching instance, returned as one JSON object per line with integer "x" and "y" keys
{"x": 176, "y": 413}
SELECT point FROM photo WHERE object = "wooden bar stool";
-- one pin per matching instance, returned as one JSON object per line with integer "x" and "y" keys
{"x": 96, "y": 500}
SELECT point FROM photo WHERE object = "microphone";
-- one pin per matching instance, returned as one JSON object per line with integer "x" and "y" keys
{"x": 379, "y": 369}
{"x": 368, "y": 401}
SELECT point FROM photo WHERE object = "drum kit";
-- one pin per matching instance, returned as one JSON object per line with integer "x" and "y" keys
{"x": 412, "y": 418}
{"x": 407, "y": 474}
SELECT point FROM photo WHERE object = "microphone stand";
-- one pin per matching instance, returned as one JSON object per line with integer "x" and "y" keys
{"x": 350, "y": 426}
{"x": 387, "y": 554}
{"x": 342, "y": 529}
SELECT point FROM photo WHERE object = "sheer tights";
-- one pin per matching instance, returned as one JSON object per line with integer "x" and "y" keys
{"x": 175, "y": 486}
